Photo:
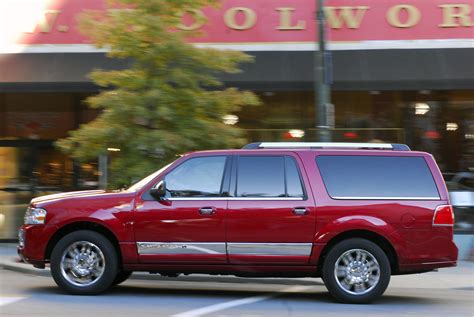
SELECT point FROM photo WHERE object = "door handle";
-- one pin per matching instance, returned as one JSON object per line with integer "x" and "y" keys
{"x": 207, "y": 211}
{"x": 300, "y": 211}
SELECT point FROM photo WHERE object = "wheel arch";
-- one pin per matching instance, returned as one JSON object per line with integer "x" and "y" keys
{"x": 372, "y": 236}
{"x": 82, "y": 225}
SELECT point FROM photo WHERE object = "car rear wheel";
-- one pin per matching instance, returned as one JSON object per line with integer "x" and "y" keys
{"x": 84, "y": 263}
{"x": 356, "y": 271}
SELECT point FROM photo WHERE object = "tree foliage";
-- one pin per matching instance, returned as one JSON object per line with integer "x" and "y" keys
{"x": 168, "y": 101}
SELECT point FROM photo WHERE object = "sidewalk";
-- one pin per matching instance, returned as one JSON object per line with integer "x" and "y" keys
{"x": 9, "y": 260}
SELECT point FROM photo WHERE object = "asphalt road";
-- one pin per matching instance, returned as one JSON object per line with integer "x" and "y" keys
{"x": 447, "y": 293}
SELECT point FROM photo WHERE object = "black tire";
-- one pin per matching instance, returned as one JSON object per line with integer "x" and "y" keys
{"x": 109, "y": 263}
{"x": 335, "y": 285}
{"x": 121, "y": 277}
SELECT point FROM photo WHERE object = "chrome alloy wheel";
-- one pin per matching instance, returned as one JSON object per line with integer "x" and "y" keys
{"x": 357, "y": 272}
{"x": 82, "y": 263}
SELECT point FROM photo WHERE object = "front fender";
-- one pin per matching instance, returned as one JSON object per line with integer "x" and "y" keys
{"x": 120, "y": 229}
{"x": 122, "y": 232}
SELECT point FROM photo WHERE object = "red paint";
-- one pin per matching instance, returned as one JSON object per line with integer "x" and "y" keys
{"x": 180, "y": 221}
{"x": 271, "y": 222}
{"x": 37, "y": 238}
{"x": 130, "y": 217}
{"x": 374, "y": 25}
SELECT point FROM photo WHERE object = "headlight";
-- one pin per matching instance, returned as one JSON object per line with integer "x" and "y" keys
{"x": 35, "y": 216}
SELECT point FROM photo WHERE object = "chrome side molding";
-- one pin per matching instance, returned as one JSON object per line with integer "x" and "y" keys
{"x": 232, "y": 248}
{"x": 385, "y": 198}
{"x": 275, "y": 249}
{"x": 180, "y": 248}
{"x": 236, "y": 198}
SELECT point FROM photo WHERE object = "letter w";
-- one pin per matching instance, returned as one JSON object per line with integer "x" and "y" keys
{"x": 338, "y": 16}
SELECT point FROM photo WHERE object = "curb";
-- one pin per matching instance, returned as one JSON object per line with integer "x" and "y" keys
{"x": 20, "y": 269}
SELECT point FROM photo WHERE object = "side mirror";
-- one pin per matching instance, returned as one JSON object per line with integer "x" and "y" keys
{"x": 159, "y": 190}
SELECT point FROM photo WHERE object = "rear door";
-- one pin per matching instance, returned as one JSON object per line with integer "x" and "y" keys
{"x": 271, "y": 215}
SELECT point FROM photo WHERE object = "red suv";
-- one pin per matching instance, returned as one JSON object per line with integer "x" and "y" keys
{"x": 352, "y": 214}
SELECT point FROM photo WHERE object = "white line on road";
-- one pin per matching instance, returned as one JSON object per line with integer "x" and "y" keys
{"x": 8, "y": 300}
{"x": 239, "y": 302}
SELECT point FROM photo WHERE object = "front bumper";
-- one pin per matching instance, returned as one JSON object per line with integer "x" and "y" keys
{"x": 33, "y": 243}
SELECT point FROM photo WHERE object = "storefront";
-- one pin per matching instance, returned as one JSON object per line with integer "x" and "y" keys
{"x": 400, "y": 73}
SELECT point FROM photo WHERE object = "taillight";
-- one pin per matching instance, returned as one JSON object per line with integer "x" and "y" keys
{"x": 443, "y": 216}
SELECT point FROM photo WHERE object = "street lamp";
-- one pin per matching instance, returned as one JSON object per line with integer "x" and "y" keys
{"x": 322, "y": 79}
{"x": 103, "y": 170}
{"x": 104, "y": 167}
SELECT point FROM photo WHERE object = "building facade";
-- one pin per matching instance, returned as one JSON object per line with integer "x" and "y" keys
{"x": 402, "y": 71}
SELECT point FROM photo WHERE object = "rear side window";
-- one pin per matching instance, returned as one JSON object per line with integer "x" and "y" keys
{"x": 268, "y": 176}
{"x": 377, "y": 177}
{"x": 294, "y": 188}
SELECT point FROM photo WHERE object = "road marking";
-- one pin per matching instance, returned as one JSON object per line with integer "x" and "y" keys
{"x": 8, "y": 300}
{"x": 239, "y": 302}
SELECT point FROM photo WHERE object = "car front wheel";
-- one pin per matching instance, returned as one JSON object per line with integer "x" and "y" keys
{"x": 84, "y": 263}
{"x": 121, "y": 277}
{"x": 356, "y": 271}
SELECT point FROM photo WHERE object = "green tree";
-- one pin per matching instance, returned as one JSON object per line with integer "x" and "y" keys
{"x": 168, "y": 101}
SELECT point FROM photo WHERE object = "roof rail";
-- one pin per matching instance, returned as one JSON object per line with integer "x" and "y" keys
{"x": 322, "y": 145}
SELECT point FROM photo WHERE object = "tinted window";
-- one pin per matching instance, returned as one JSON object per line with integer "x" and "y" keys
{"x": 377, "y": 177}
{"x": 264, "y": 176}
{"x": 197, "y": 177}
{"x": 293, "y": 180}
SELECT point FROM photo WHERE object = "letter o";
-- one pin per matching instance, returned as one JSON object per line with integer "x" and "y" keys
{"x": 199, "y": 20}
{"x": 393, "y": 16}
{"x": 250, "y": 18}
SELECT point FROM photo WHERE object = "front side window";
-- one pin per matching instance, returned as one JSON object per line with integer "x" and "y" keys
{"x": 377, "y": 177}
{"x": 197, "y": 177}
{"x": 268, "y": 176}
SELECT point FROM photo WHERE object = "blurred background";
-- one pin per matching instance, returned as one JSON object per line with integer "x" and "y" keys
{"x": 398, "y": 73}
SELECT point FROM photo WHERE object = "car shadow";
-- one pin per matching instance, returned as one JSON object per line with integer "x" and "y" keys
{"x": 227, "y": 279}
{"x": 151, "y": 291}
{"x": 468, "y": 288}
{"x": 386, "y": 299}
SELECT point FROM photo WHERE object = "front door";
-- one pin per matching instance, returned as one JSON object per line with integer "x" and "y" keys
{"x": 187, "y": 226}
{"x": 271, "y": 216}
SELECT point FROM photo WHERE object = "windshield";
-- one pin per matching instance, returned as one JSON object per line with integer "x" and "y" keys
{"x": 139, "y": 185}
